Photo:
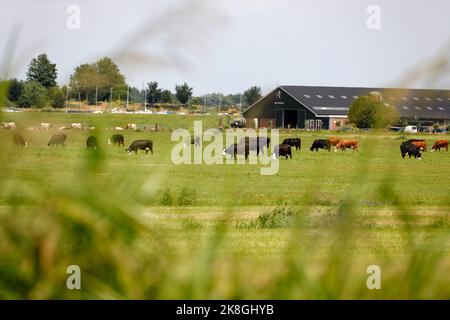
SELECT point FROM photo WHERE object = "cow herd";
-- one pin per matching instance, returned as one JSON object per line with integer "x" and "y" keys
{"x": 411, "y": 147}
{"x": 91, "y": 142}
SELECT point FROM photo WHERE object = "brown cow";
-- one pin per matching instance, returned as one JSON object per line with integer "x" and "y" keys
{"x": 440, "y": 144}
{"x": 419, "y": 143}
{"x": 333, "y": 141}
{"x": 347, "y": 144}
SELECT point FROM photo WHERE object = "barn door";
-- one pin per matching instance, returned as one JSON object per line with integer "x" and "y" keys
{"x": 278, "y": 118}
{"x": 301, "y": 119}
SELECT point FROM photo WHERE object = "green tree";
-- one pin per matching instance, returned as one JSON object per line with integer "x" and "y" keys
{"x": 98, "y": 77}
{"x": 366, "y": 112}
{"x": 57, "y": 97}
{"x": 41, "y": 70}
{"x": 183, "y": 93}
{"x": 252, "y": 95}
{"x": 33, "y": 95}
{"x": 15, "y": 89}
{"x": 3, "y": 92}
{"x": 166, "y": 96}
{"x": 153, "y": 93}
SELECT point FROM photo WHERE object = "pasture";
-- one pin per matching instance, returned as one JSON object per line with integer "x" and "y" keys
{"x": 143, "y": 227}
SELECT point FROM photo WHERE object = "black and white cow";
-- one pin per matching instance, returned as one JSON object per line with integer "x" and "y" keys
{"x": 117, "y": 140}
{"x": 18, "y": 140}
{"x": 136, "y": 145}
{"x": 57, "y": 139}
{"x": 320, "y": 144}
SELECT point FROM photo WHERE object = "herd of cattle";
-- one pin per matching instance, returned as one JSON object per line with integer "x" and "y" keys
{"x": 411, "y": 147}
{"x": 91, "y": 142}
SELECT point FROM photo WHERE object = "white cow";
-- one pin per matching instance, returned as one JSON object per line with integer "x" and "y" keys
{"x": 9, "y": 125}
{"x": 76, "y": 126}
{"x": 46, "y": 125}
{"x": 131, "y": 126}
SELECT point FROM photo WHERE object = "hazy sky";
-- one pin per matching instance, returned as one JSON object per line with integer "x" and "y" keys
{"x": 229, "y": 45}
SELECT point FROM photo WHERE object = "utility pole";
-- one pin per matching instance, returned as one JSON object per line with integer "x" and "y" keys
{"x": 240, "y": 106}
{"x": 145, "y": 97}
{"x": 67, "y": 98}
{"x": 128, "y": 95}
{"x": 96, "y": 96}
{"x": 110, "y": 99}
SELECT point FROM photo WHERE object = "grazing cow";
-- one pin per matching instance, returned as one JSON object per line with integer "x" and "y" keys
{"x": 118, "y": 128}
{"x": 440, "y": 144}
{"x": 194, "y": 140}
{"x": 256, "y": 143}
{"x": 283, "y": 150}
{"x": 136, "y": 145}
{"x": 320, "y": 144}
{"x": 76, "y": 126}
{"x": 57, "y": 139}
{"x": 117, "y": 140}
{"x": 235, "y": 149}
{"x": 347, "y": 144}
{"x": 132, "y": 126}
{"x": 293, "y": 142}
{"x": 419, "y": 143}
{"x": 45, "y": 126}
{"x": 18, "y": 140}
{"x": 410, "y": 149}
{"x": 333, "y": 141}
{"x": 91, "y": 143}
{"x": 9, "y": 125}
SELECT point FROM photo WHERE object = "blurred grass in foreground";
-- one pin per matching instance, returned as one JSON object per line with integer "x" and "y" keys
{"x": 87, "y": 212}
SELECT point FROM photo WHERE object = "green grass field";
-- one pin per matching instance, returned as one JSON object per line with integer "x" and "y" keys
{"x": 141, "y": 227}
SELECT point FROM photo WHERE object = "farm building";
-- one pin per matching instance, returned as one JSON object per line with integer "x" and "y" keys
{"x": 307, "y": 107}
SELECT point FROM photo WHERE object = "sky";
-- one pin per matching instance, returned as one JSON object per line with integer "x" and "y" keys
{"x": 229, "y": 45}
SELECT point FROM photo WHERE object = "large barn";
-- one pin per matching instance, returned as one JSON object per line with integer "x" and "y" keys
{"x": 313, "y": 108}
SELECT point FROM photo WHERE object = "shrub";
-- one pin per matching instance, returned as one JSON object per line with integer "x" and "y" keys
{"x": 187, "y": 197}
{"x": 167, "y": 199}
{"x": 276, "y": 218}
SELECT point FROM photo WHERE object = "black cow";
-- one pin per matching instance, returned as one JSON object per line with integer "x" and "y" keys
{"x": 283, "y": 150}
{"x": 320, "y": 144}
{"x": 236, "y": 148}
{"x": 293, "y": 142}
{"x": 18, "y": 140}
{"x": 117, "y": 140}
{"x": 256, "y": 143}
{"x": 136, "y": 145}
{"x": 57, "y": 139}
{"x": 195, "y": 141}
{"x": 91, "y": 143}
{"x": 410, "y": 149}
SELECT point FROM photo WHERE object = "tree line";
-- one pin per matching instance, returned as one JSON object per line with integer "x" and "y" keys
{"x": 102, "y": 81}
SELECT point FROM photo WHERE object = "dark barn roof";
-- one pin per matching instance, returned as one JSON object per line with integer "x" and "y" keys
{"x": 411, "y": 103}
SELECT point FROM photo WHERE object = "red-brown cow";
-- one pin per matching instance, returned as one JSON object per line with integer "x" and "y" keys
{"x": 419, "y": 143}
{"x": 440, "y": 144}
{"x": 347, "y": 144}
{"x": 334, "y": 141}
